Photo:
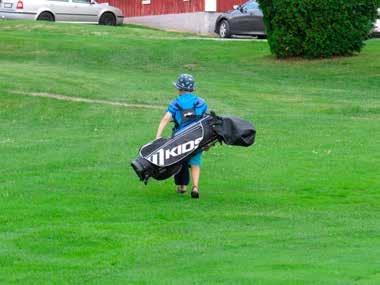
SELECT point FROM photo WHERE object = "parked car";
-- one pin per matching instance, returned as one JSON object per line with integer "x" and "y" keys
{"x": 376, "y": 28}
{"x": 88, "y": 11}
{"x": 246, "y": 19}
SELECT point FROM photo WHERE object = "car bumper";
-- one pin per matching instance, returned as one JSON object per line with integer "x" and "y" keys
{"x": 119, "y": 20}
{"x": 377, "y": 27}
{"x": 17, "y": 15}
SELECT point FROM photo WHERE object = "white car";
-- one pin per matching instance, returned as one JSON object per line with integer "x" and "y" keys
{"x": 376, "y": 28}
{"x": 88, "y": 11}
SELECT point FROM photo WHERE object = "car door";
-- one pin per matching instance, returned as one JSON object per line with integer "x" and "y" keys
{"x": 252, "y": 17}
{"x": 243, "y": 21}
{"x": 61, "y": 9}
{"x": 85, "y": 10}
{"x": 256, "y": 23}
{"x": 237, "y": 20}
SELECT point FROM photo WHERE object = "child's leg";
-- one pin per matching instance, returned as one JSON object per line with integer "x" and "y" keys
{"x": 195, "y": 163}
{"x": 195, "y": 173}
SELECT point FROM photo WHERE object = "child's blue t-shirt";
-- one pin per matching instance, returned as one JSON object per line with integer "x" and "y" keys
{"x": 186, "y": 101}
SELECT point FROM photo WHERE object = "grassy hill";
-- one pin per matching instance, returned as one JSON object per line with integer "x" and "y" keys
{"x": 302, "y": 206}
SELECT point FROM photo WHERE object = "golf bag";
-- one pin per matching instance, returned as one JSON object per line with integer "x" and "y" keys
{"x": 162, "y": 158}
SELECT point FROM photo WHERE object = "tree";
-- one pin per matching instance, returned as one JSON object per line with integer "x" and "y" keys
{"x": 317, "y": 28}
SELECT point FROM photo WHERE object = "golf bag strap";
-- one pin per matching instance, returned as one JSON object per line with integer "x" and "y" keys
{"x": 184, "y": 116}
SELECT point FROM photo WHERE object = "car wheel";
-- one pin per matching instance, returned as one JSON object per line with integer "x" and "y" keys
{"x": 224, "y": 29}
{"x": 46, "y": 16}
{"x": 108, "y": 19}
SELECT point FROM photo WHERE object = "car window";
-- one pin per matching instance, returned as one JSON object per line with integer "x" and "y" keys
{"x": 82, "y": 1}
{"x": 249, "y": 6}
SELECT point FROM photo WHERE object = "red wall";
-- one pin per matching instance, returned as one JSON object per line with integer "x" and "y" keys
{"x": 226, "y": 5}
{"x": 133, "y": 8}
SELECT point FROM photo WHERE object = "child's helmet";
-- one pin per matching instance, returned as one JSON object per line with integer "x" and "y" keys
{"x": 185, "y": 82}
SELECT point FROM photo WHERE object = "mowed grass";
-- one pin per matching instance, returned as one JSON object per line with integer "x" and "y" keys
{"x": 302, "y": 206}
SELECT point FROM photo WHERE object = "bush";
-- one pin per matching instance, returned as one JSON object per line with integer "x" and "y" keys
{"x": 317, "y": 28}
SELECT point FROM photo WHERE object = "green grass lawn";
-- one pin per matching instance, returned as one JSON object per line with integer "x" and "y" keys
{"x": 302, "y": 206}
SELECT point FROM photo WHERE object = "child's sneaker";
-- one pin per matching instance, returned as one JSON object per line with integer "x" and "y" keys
{"x": 181, "y": 189}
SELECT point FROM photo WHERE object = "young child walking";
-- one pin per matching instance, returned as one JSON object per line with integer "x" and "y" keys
{"x": 186, "y": 109}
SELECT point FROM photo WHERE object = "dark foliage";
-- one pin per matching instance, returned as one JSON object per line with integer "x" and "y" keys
{"x": 317, "y": 28}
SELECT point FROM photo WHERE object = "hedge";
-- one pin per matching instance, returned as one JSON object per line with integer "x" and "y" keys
{"x": 317, "y": 28}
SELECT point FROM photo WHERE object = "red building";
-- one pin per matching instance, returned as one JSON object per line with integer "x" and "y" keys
{"x": 135, "y": 8}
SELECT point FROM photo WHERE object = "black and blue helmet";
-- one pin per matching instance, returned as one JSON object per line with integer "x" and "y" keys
{"x": 185, "y": 82}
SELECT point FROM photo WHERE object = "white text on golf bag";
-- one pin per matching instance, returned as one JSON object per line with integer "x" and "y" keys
{"x": 163, "y": 155}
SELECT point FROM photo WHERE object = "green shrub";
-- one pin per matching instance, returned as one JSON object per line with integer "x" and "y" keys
{"x": 317, "y": 28}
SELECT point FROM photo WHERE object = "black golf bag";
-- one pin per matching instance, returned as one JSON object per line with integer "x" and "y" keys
{"x": 163, "y": 158}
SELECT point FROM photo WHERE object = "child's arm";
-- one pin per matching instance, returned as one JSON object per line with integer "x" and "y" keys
{"x": 164, "y": 121}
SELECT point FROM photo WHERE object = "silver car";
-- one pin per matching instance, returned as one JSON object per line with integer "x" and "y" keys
{"x": 88, "y": 11}
{"x": 376, "y": 26}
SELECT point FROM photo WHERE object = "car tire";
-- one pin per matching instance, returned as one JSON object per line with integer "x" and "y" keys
{"x": 46, "y": 16}
{"x": 107, "y": 19}
{"x": 224, "y": 30}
